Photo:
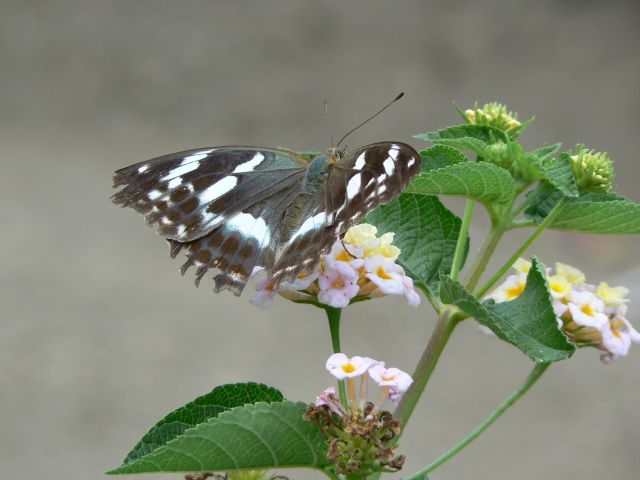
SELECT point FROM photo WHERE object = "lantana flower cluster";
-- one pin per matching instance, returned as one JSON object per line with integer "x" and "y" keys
{"x": 493, "y": 114}
{"x": 592, "y": 170}
{"x": 393, "y": 381}
{"x": 360, "y": 435}
{"x": 591, "y": 316}
{"x": 359, "y": 265}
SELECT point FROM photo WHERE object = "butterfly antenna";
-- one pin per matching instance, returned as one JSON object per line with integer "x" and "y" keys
{"x": 326, "y": 113}
{"x": 347, "y": 250}
{"x": 398, "y": 97}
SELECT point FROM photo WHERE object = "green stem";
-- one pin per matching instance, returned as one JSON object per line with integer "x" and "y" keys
{"x": 355, "y": 476}
{"x": 441, "y": 333}
{"x": 536, "y": 233}
{"x": 462, "y": 239}
{"x": 333, "y": 315}
{"x": 523, "y": 205}
{"x": 486, "y": 251}
{"x": 533, "y": 377}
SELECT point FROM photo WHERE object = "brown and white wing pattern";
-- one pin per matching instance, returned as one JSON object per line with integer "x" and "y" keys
{"x": 236, "y": 208}
{"x": 221, "y": 205}
{"x": 356, "y": 184}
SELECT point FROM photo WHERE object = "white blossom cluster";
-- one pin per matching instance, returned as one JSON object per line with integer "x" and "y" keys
{"x": 589, "y": 315}
{"x": 393, "y": 381}
{"x": 359, "y": 265}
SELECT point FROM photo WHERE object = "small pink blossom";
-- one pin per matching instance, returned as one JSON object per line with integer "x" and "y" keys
{"x": 328, "y": 398}
{"x": 587, "y": 310}
{"x": 390, "y": 377}
{"x": 409, "y": 291}
{"x": 265, "y": 291}
{"x": 337, "y": 288}
{"x": 617, "y": 338}
{"x": 341, "y": 366}
{"x": 386, "y": 274}
{"x": 344, "y": 258}
{"x": 325, "y": 397}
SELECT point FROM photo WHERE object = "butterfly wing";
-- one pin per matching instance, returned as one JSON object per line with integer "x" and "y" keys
{"x": 222, "y": 205}
{"x": 356, "y": 184}
{"x": 186, "y": 195}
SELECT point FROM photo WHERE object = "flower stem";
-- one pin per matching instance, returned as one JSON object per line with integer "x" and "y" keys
{"x": 441, "y": 333}
{"x": 462, "y": 239}
{"x": 533, "y": 377}
{"x": 486, "y": 251}
{"x": 536, "y": 233}
{"x": 333, "y": 315}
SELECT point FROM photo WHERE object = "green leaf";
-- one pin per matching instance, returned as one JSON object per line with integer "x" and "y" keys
{"x": 598, "y": 213}
{"x": 481, "y": 181}
{"x": 621, "y": 217}
{"x": 517, "y": 131}
{"x": 425, "y": 231}
{"x": 559, "y": 173}
{"x": 546, "y": 152}
{"x": 464, "y": 143}
{"x": 220, "y": 399}
{"x": 260, "y": 436}
{"x": 440, "y": 156}
{"x": 528, "y": 322}
{"x": 480, "y": 132}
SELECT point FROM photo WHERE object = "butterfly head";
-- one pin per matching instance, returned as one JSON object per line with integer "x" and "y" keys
{"x": 335, "y": 153}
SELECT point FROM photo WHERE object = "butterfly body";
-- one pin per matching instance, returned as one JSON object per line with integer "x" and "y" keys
{"x": 237, "y": 208}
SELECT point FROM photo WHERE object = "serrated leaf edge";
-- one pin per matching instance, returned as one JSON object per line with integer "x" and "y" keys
{"x": 217, "y": 418}
{"x": 159, "y": 423}
{"x": 492, "y": 169}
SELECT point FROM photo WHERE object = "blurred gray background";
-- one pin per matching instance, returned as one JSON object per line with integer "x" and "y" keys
{"x": 101, "y": 336}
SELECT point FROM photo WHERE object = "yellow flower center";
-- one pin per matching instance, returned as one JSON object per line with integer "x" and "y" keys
{"x": 348, "y": 368}
{"x": 556, "y": 287}
{"x": 380, "y": 272}
{"x": 587, "y": 310}
{"x": 514, "y": 292}
{"x": 388, "y": 378}
{"x": 343, "y": 256}
{"x": 338, "y": 283}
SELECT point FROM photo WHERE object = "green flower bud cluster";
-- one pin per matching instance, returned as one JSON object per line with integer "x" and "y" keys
{"x": 512, "y": 157}
{"x": 360, "y": 443}
{"x": 493, "y": 114}
{"x": 593, "y": 170}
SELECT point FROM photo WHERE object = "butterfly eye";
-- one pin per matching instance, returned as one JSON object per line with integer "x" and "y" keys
{"x": 335, "y": 153}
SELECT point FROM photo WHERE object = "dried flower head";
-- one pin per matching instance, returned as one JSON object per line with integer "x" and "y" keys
{"x": 360, "y": 442}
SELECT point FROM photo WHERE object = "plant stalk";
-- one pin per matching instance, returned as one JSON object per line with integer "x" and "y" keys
{"x": 486, "y": 251}
{"x": 536, "y": 233}
{"x": 462, "y": 239}
{"x": 333, "y": 315}
{"x": 533, "y": 377}
{"x": 441, "y": 333}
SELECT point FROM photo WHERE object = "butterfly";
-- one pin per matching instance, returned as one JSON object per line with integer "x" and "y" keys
{"x": 237, "y": 208}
